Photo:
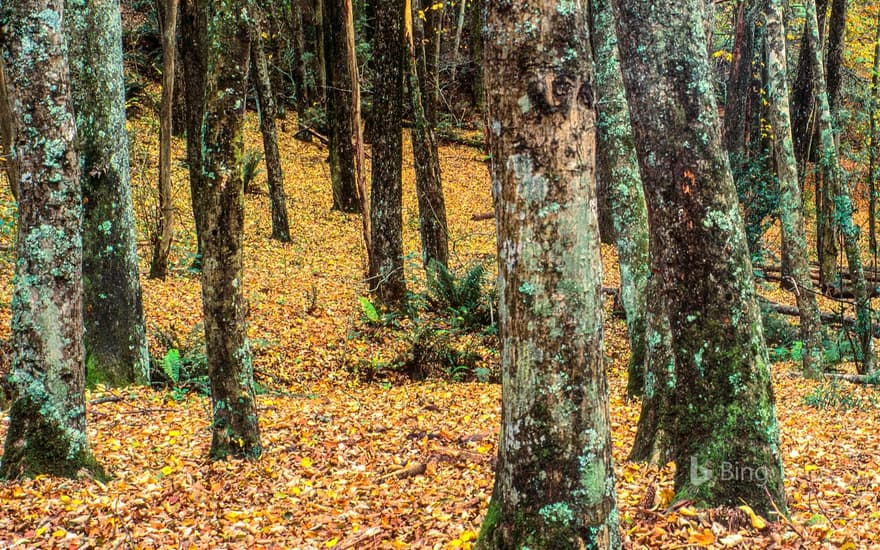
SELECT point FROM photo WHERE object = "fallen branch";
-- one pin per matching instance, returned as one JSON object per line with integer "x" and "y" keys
{"x": 412, "y": 470}
{"x": 830, "y": 318}
{"x": 483, "y": 216}
{"x": 107, "y": 399}
{"x": 861, "y": 379}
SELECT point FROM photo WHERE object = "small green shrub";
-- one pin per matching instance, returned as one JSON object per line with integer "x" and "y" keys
{"x": 463, "y": 297}
{"x": 250, "y": 168}
{"x": 183, "y": 368}
{"x": 833, "y": 394}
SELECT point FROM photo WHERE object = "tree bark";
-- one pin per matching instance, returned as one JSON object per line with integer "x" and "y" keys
{"x": 554, "y": 483}
{"x": 794, "y": 237}
{"x": 165, "y": 230}
{"x": 7, "y": 137}
{"x": 268, "y": 114}
{"x": 220, "y": 192}
{"x": 618, "y": 165}
{"x": 337, "y": 25}
{"x": 47, "y": 420}
{"x": 721, "y": 412}
{"x": 874, "y": 149}
{"x": 432, "y": 206}
{"x": 803, "y": 100}
{"x": 115, "y": 332}
{"x": 386, "y": 276}
{"x": 838, "y": 189}
{"x": 834, "y": 65}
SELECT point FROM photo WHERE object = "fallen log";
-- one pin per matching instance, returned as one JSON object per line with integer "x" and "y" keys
{"x": 861, "y": 379}
{"x": 830, "y": 318}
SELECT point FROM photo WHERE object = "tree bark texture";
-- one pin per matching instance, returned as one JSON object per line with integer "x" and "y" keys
{"x": 268, "y": 114}
{"x": 7, "y": 137}
{"x": 433, "y": 226}
{"x": 803, "y": 100}
{"x": 340, "y": 87}
{"x": 165, "y": 230}
{"x": 791, "y": 216}
{"x": 221, "y": 194}
{"x": 874, "y": 149}
{"x": 115, "y": 332}
{"x": 554, "y": 483}
{"x": 834, "y": 65}
{"x": 839, "y": 192}
{"x": 47, "y": 420}
{"x": 721, "y": 410}
{"x": 386, "y": 276}
{"x": 618, "y": 166}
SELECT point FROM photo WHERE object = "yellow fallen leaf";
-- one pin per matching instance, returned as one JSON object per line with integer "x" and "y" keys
{"x": 39, "y": 532}
{"x": 332, "y": 542}
{"x": 468, "y": 536}
{"x": 687, "y": 511}
{"x": 704, "y": 538}
{"x": 306, "y": 462}
{"x": 59, "y": 533}
{"x": 166, "y": 470}
{"x": 810, "y": 467}
{"x": 174, "y": 433}
{"x": 757, "y": 521}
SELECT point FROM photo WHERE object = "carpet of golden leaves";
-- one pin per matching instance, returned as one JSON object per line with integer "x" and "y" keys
{"x": 400, "y": 465}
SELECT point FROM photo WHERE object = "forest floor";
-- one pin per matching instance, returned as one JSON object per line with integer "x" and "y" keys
{"x": 389, "y": 463}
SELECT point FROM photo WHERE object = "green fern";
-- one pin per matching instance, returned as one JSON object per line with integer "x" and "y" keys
{"x": 250, "y": 167}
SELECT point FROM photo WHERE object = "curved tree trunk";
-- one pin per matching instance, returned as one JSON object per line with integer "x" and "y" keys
{"x": 235, "y": 429}
{"x": 721, "y": 411}
{"x": 554, "y": 482}
{"x": 47, "y": 421}
{"x": 115, "y": 333}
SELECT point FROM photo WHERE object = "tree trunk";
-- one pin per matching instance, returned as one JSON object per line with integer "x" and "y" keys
{"x": 115, "y": 333}
{"x": 432, "y": 41}
{"x": 7, "y": 137}
{"x": 554, "y": 483}
{"x": 475, "y": 30}
{"x": 874, "y": 149}
{"x": 221, "y": 194}
{"x": 165, "y": 231}
{"x": 432, "y": 206}
{"x": 618, "y": 166}
{"x": 794, "y": 238}
{"x": 721, "y": 413}
{"x": 268, "y": 114}
{"x": 193, "y": 29}
{"x": 340, "y": 89}
{"x": 803, "y": 100}
{"x": 47, "y": 420}
{"x": 834, "y": 65}
{"x": 838, "y": 189}
{"x": 386, "y": 277}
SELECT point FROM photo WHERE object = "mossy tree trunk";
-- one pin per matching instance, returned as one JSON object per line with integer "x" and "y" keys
{"x": 839, "y": 193}
{"x": 791, "y": 216}
{"x": 165, "y": 230}
{"x": 554, "y": 482}
{"x": 433, "y": 226}
{"x": 618, "y": 166}
{"x": 115, "y": 333}
{"x": 268, "y": 114}
{"x": 47, "y": 421}
{"x": 340, "y": 88}
{"x": 221, "y": 195}
{"x": 386, "y": 276}
{"x": 721, "y": 413}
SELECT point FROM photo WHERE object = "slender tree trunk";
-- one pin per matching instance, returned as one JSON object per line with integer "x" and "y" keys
{"x": 834, "y": 65}
{"x": 220, "y": 192}
{"x": 430, "y": 60}
{"x": 794, "y": 238}
{"x": 340, "y": 90}
{"x": 304, "y": 95}
{"x": 7, "y": 136}
{"x": 721, "y": 411}
{"x": 475, "y": 30}
{"x": 618, "y": 165}
{"x": 386, "y": 256}
{"x": 432, "y": 206}
{"x": 47, "y": 420}
{"x": 268, "y": 114}
{"x": 874, "y": 149}
{"x": 165, "y": 231}
{"x": 115, "y": 332}
{"x": 554, "y": 482}
{"x": 838, "y": 188}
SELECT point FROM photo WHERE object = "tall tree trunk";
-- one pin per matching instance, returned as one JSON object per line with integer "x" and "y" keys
{"x": 193, "y": 29}
{"x": 721, "y": 412}
{"x": 221, "y": 194}
{"x": 803, "y": 100}
{"x": 7, "y": 137}
{"x": 554, "y": 482}
{"x": 834, "y": 65}
{"x": 268, "y": 114}
{"x": 165, "y": 231}
{"x": 303, "y": 85}
{"x": 386, "y": 256}
{"x": 337, "y": 24}
{"x": 47, "y": 421}
{"x": 838, "y": 189}
{"x": 433, "y": 226}
{"x": 430, "y": 56}
{"x": 115, "y": 333}
{"x": 874, "y": 149}
{"x": 794, "y": 238}
{"x": 618, "y": 165}
{"x": 475, "y": 31}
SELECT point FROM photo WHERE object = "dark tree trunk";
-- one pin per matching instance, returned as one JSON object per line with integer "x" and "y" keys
{"x": 47, "y": 420}
{"x": 721, "y": 412}
{"x": 386, "y": 277}
{"x": 554, "y": 482}
{"x": 803, "y": 100}
{"x": 193, "y": 29}
{"x": 834, "y": 65}
{"x": 115, "y": 333}
{"x": 220, "y": 193}
{"x": 7, "y": 136}
{"x": 340, "y": 88}
{"x": 433, "y": 226}
{"x": 268, "y": 114}
{"x": 874, "y": 150}
{"x": 165, "y": 230}
{"x": 617, "y": 164}
{"x": 475, "y": 30}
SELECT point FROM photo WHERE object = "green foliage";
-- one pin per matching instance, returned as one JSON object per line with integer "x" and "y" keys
{"x": 250, "y": 167}
{"x": 171, "y": 365}
{"x": 463, "y": 297}
{"x": 183, "y": 368}
{"x": 833, "y": 394}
